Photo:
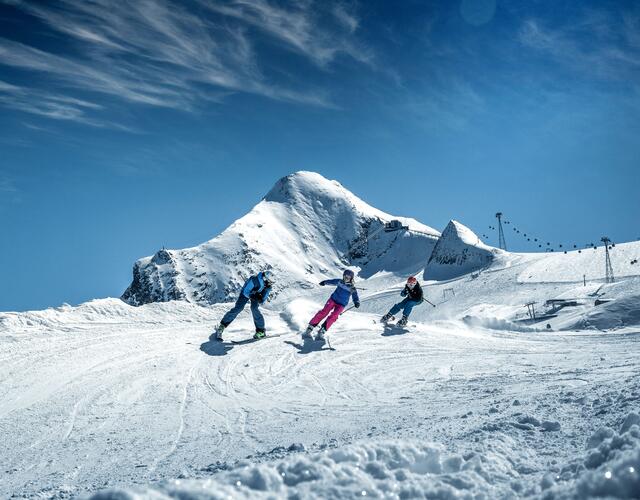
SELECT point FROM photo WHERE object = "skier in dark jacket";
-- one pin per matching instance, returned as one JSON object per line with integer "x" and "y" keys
{"x": 413, "y": 296}
{"x": 345, "y": 289}
{"x": 256, "y": 289}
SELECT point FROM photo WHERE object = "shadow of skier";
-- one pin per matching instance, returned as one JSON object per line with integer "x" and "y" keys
{"x": 309, "y": 346}
{"x": 391, "y": 330}
{"x": 250, "y": 340}
{"x": 215, "y": 348}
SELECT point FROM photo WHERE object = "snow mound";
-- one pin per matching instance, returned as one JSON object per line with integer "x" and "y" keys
{"x": 106, "y": 312}
{"x": 621, "y": 312}
{"x": 375, "y": 470}
{"x": 459, "y": 251}
{"x": 65, "y": 317}
{"x": 307, "y": 228}
{"x": 611, "y": 468}
{"x": 414, "y": 469}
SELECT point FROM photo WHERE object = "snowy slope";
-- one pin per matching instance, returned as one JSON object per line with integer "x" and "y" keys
{"x": 306, "y": 229}
{"x": 459, "y": 251}
{"x": 137, "y": 400}
{"x": 589, "y": 263}
{"x": 495, "y": 296}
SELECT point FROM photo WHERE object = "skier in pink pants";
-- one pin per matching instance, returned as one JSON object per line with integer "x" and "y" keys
{"x": 345, "y": 289}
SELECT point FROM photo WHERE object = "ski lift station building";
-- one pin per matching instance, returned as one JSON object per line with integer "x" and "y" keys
{"x": 394, "y": 225}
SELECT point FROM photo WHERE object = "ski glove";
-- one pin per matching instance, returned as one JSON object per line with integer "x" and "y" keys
{"x": 356, "y": 305}
{"x": 323, "y": 283}
{"x": 403, "y": 293}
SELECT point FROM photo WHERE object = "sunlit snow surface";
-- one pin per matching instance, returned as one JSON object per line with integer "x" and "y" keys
{"x": 466, "y": 402}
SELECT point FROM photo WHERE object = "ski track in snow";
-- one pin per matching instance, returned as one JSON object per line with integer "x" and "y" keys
{"x": 181, "y": 411}
{"x": 101, "y": 420}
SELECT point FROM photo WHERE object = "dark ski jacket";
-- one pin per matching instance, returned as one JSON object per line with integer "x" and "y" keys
{"x": 342, "y": 292}
{"x": 415, "y": 294}
{"x": 255, "y": 288}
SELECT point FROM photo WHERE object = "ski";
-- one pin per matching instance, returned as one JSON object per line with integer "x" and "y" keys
{"x": 251, "y": 340}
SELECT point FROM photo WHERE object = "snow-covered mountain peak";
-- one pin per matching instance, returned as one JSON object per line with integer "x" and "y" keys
{"x": 457, "y": 232}
{"x": 458, "y": 251}
{"x": 305, "y": 229}
{"x": 310, "y": 189}
{"x": 302, "y": 185}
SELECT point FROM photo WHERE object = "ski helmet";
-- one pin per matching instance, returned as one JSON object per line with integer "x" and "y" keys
{"x": 267, "y": 276}
{"x": 347, "y": 276}
{"x": 412, "y": 281}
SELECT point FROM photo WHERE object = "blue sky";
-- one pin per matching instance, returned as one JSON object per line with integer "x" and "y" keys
{"x": 125, "y": 127}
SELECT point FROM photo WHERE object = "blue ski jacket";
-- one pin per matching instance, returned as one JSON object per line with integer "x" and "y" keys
{"x": 342, "y": 292}
{"x": 256, "y": 288}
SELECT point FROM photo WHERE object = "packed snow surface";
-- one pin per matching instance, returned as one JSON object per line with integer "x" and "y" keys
{"x": 466, "y": 402}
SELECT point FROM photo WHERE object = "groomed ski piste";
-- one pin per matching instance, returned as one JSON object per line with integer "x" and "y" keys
{"x": 471, "y": 400}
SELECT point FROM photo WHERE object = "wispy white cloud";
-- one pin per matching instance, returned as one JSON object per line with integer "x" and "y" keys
{"x": 599, "y": 44}
{"x": 159, "y": 53}
{"x": 446, "y": 108}
{"x": 298, "y": 28}
{"x": 346, "y": 16}
{"x": 52, "y": 105}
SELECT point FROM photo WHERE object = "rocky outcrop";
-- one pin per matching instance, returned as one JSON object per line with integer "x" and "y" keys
{"x": 458, "y": 251}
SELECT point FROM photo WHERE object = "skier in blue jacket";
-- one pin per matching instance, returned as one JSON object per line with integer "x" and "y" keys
{"x": 345, "y": 289}
{"x": 256, "y": 289}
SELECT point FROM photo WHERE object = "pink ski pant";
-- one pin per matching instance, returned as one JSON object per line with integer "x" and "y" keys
{"x": 333, "y": 309}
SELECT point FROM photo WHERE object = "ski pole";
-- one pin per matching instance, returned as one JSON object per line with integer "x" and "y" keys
{"x": 429, "y": 302}
{"x": 347, "y": 309}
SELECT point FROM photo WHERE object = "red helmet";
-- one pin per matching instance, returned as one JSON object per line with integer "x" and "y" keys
{"x": 412, "y": 281}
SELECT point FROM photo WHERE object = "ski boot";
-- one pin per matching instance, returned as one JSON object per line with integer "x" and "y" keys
{"x": 403, "y": 321}
{"x": 260, "y": 334}
{"x": 217, "y": 335}
{"x": 321, "y": 333}
{"x": 306, "y": 335}
{"x": 387, "y": 317}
